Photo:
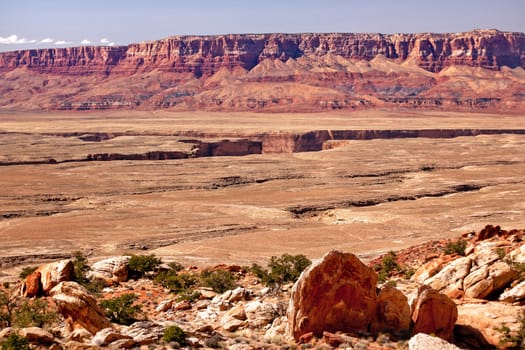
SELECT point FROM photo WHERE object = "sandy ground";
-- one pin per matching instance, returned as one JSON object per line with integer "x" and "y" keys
{"x": 366, "y": 197}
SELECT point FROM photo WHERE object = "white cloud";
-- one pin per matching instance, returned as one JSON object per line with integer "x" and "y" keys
{"x": 104, "y": 41}
{"x": 85, "y": 42}
{"x": 46, "y": 41}
{"x": 62, "y": 42}
{"x": 14, "y": 39}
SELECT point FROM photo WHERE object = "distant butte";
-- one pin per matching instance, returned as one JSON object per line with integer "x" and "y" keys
{"x": 480, "y": 70}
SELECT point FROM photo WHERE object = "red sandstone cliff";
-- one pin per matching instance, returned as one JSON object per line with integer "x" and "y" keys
{"x": 482, "y": 69}
{"x": 205, "y": 55}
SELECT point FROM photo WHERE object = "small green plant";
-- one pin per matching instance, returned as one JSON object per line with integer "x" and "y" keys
{"x": 286, "y": 268}
{"x": 456, "y": 247}
{"x": 34, "y": 313}
{"x": 20, "y": 312}
{"x": 189, "y": 295}
{"x": 218, "y": 280}
{"x": 80, "y": 267}
{"x": 513, "y": 340}
{"x": 387, "y": 267}
{"x": 174, "y": 334}
{"x": 501, "y": 252}
{"x": 140, "y": 265}
{"x": 15, "y": 342}
{"x": 518, "y": 267}
{"x": 122, "y": 309}
{"x": 26, "y": 271}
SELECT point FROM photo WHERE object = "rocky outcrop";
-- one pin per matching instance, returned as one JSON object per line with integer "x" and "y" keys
{"x": 206, "y": 55}
{"x": 114, "y": 269}
{"x": 479, "y": 324}
{"x": 336, "y": 293}
{"x": 79, "y": 307}
{"x": 434, "y": 313}
{"x": 46, "y": 277}
{"x": 393, "y": 311}
{"x": 424, "y": 341}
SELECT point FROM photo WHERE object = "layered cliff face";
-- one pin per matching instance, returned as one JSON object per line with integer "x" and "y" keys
{"x": 288, "y": 72}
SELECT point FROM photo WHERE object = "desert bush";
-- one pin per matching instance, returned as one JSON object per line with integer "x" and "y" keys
{"x": 174, "y": 334}
{"x": 387, "y": 267}
{"x": 80, "y": 267}
{"x": 174, "y": 281}
{"x": 286, "y": 268}
{"x": 140, "y": 265}
{"x": 513, "y": 340}
{"x": 34, "y": 313}
{"x": 20, "y": 312}
{"x": 15, "y": 342}
{"x": 122, "y": 309}
{"x": 190, "y": 295}
{"x": 219, "y": 280}
{"x": 26, "y": 271}
{"x": 456, "y": 247}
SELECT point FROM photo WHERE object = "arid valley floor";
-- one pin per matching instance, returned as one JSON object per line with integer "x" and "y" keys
{"x": 361, "y": 196}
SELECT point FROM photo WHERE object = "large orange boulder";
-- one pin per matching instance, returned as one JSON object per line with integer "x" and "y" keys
{"x": 32, "y": 286}
{"x": 79, "y": 307}
{"x": 335, "y": 293}
{"x": 393, "y": 311}
{"x": 54, "y": 273}
{"x": 434, "y": 313}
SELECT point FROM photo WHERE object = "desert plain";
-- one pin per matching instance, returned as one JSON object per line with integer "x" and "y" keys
{"x": 365, "y": 196}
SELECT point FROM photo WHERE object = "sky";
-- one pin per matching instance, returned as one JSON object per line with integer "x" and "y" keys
{"x": 60, "y": 23}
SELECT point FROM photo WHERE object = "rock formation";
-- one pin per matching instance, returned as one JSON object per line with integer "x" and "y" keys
{"x": 113, "y": 269}
{"x": 276, "y": 72}
{"x": 336, "y": 293}
{"x": 81, "y": 308}
{"x": 434, "y": 313}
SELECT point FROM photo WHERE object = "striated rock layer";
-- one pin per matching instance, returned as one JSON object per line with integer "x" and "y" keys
{"x": 205, "y": 55}
{"x": 482, "y": 69}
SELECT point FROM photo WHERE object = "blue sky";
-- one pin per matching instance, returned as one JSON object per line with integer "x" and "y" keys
{"x": 57, "y": 23}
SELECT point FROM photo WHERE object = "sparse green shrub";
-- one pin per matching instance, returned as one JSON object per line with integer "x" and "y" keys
{"x": 513, "y": 340}
{"x": 286, "y": 268}
{"x": 95, "y": 285}
{"x": 174, "y": 334}
{"x": 501, "y": 252}
{"x": 176, "y": 281}
{"x": 408, "y": 272}
{"x": 34, "y": 313}
{"x": 518, "y": 267}
{"x": 15, "y": 342}
{"x": 218, "y": 280}
{"x": 387, "y": 267}
{"x": 80, "y": 267}
{"x": 19, "y": 312}
{"x": 456, "y": 247}
{"x": 190, "y": 295}
{"x": 26, "y": 271}
{"x": 175, "y": 266}
{"x": 122, "y": 309}
{"x": 140, "y": 265}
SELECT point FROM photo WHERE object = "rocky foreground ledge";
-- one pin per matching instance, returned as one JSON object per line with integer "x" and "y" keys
{"x": 466, "y": 293}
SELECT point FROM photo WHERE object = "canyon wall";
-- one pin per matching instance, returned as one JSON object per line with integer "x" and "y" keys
{"x": 205, "y": 55}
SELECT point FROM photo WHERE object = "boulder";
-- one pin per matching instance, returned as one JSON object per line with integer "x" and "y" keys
{"x": 234, "y": 319}
{"x": 422, "y": 341}
{"x": 260, "y": 314}
{"x": 514, "y": 294}
{"x": 430, "y": 268}
{"x": 277, "y": 331}
{"x": 434, "y": 313}
{"x": 144, "y": 332}
{"x": 54, "y": 273}
{"x": 165, "y": 305}
{"x": 75, "y": 303}
{"x": 226, "y": 300}
{"x": 36, "y": 335}
{"x": 107, "y": 336}
{"x": 488, "y": 279}
{"x": 478, "y": 323}
{"x": 32, "y": 286}
{"x": 393, "y": 311}
{"x": 335, "y": 293}
{"x": 114, "y": 269}
{"x": 450, "y": 279}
